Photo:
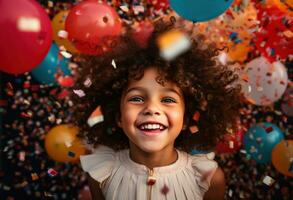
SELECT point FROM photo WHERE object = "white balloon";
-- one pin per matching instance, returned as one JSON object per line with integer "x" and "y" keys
{"x": 266, "y": 82}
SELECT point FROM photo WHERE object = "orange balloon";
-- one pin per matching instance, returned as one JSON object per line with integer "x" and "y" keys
{"x": 58, "y": 24}
{"x": 62, "y": 145}
{"x": 281, "y": 155}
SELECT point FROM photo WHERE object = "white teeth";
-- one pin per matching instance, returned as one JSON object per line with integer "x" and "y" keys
{"x": 151, "y": 126}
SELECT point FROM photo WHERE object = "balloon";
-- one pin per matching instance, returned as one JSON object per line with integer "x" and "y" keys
{"x": 93, "y": 27}
{"x": 266, "y": 82}
{"x": 200, "y": 10}
{"x": 62, "y": 144}
{"x": 282, "y": 155}
{"x": 196, "y": 151}
{"x": 231, "y": 142}
{"x": 25, "y": 36}
{"x": 46, "y": 71}
{"x": 58, "y": 24}
{"x": 260, "y": 140}
{"x": 287, "y": 102}
{"x": 142, "y": 33}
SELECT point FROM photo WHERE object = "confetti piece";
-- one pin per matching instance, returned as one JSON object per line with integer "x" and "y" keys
{"x": 22, "y": 156}
{"x": 172, "y": 44}
{"x": 165, "y": 190}
{"x": 193, "y": 129}
{"x": 47, "y": 194}
{"x": 68, "y": 144}
{"x": 124, "y": 8}
{"x": 114, "y": 64}
{"x": 196, "y": 116}
{"x": 29, "y": 24}
{"x": 269, "y": 129}
{"x": 34, "y": 176}
{"x": 230, "y": 193}
{"x": 288, "y": 33}
{"x": 268, "y": 180}
{"x": 52, "y": 172}
{"x": 50, "y": 4}
{"x": 231, "y": 144}
{"x": 87, "y": 83}
{"x": 79, "y": 93}
{"x": 243, "y": 151}
{"x": 63, "y": 34}
{"x": 138, "y": 9}
{"x": 66, "y": 54}
{"x": 95, "y": 117}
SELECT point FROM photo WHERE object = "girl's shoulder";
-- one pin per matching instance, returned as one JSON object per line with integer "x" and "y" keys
{"x": 204, "y": 167}
{"x": 100, "y": 163}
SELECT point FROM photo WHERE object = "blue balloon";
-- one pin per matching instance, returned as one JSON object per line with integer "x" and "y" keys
{"x": 260, "y": 140}
{"x": 200, "y": 10}
{"x": 44, "y": 72}
{"x": 196, "y": 151}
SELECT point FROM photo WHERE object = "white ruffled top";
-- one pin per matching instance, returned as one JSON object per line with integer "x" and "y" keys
{"x": 123, "y": 179}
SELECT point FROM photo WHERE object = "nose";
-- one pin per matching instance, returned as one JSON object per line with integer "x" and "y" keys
{"x": 151, "y": 109}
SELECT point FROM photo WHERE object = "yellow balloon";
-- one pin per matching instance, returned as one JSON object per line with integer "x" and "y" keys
{"x": 281, "y": 155}
{"x": 58, "y": 24}
{"x": 62, "y": 144}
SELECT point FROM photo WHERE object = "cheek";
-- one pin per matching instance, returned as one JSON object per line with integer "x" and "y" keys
{"x": 128, "y": 116}
{"x": 176, "y": 117}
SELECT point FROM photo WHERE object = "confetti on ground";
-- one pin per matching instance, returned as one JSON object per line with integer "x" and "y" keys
{"x": 52, "y": 172}
{"x": 114, "y": 64}
{"x": 268, "y": 180}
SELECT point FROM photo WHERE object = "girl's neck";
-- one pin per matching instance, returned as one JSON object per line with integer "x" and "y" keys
{"x": 164, "y": 157}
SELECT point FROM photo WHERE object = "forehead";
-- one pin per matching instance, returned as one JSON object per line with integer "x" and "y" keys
{"x": 149, "y": 80}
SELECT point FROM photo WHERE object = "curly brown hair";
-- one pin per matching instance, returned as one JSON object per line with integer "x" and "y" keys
{"x": 208, "y": 88}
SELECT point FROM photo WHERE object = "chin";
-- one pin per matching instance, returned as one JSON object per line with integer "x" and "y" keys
{"x": 151, "y": 147}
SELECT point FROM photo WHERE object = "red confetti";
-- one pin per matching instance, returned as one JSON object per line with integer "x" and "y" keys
{"x": 196, "y": 116}
{"x": 269, "y": 129}
{"x": 52, "y": 172}
{"x": 165, "y": 190}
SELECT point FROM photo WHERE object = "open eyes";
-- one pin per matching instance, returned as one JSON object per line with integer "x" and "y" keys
{"x": 164, "y": 100}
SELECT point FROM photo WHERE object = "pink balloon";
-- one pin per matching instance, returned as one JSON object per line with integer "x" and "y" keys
{"x": 25, "y": 36}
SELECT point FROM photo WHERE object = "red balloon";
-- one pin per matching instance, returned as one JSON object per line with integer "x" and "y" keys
{"x": 25, "y": 36}
{"x": 231, "y": 142}
{"x": 93, "y": 27}
{"x": 142, "y": 33}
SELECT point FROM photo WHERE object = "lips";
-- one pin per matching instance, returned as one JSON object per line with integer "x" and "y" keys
{"x": 151, "y": 128}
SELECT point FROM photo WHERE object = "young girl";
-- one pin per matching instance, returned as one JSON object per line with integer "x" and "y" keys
{"x": 155, "y": 111}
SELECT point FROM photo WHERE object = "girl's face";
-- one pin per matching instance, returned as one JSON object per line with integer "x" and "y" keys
{"x": 151, "y": 114}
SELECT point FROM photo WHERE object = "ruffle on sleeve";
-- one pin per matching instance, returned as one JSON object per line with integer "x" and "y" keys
{"x": 100, "y": 163}
{"x": 204, "y": 167}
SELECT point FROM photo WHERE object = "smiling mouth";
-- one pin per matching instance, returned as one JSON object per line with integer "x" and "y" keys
{"x": 151, "y": 129}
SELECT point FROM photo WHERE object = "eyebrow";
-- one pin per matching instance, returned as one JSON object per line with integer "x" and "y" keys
{"x": 143, "y": 90}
